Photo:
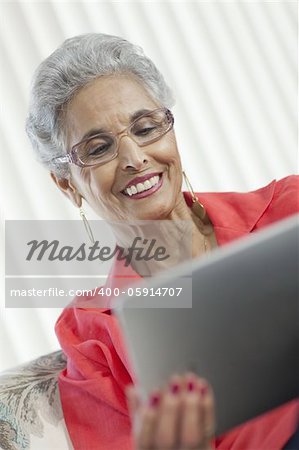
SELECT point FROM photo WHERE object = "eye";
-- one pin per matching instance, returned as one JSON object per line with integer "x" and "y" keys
{"x": 103, "y": 148}
{"x": 145, "y": 131}
{"x": 146, "y": 126}
{"x": 98, "y": 146}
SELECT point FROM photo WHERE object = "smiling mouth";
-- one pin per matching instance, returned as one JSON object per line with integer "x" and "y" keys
{"x": 144, "y": 189}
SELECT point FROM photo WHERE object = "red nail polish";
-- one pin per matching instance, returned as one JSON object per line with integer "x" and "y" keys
{"x": 203, "y": 389}
{"x": 175, "y": 388}
{"x": 190, "y": 386}
{"x": 154, "y": 400}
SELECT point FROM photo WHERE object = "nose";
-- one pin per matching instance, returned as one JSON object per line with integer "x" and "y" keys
{"x": 131, "y": 155}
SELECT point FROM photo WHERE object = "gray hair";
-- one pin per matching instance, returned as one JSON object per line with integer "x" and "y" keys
{"x": 78, "y": 61}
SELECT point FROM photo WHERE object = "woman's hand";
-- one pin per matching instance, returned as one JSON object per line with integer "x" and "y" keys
{"x": 180, "y": 416}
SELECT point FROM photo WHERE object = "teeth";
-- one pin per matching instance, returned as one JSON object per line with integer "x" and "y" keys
{"x": 147, "y": 184}
{"x": 140, "y": 187}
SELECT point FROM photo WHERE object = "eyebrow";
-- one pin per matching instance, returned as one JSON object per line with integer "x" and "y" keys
{"x": 95, "y": 131}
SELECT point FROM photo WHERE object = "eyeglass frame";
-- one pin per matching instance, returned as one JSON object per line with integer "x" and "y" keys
{"x": 72, "y": 156}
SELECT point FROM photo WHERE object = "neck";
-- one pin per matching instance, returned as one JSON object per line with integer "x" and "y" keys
{"x": 181, "y": 234}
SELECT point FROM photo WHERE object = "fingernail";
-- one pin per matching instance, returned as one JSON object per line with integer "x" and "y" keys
{"x": 154, "y": 400}
{"x": 175, "y": 388}
{"x": 190, "y": 386}
{"x": 203, "y": 389}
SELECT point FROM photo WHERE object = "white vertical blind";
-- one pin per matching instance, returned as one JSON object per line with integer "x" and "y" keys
{"x": 232, "y": 67}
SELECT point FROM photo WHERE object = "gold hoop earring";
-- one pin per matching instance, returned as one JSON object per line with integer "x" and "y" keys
{"x": 197, "y": 207}
{"x": 86, "y": 225}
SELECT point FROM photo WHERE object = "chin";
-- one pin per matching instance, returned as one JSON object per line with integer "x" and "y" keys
{"x": 159, "y": 213}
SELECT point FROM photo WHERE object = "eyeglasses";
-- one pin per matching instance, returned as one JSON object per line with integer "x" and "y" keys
{"x": 103, "y": 147}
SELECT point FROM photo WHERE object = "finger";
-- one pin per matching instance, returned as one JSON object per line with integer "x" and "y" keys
{"x": 133, "y": 399}
{"x": 145, "y": 430}
{"x": 169, "y": 415}
{"x": 192, "y": 427}
{"x": 208, "y": 412}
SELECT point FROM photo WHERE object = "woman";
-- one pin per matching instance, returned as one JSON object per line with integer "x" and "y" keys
{"x": 99, "y": 120}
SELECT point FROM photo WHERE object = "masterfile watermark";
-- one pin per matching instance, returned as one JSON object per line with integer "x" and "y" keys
{"x": 140, "y": 249}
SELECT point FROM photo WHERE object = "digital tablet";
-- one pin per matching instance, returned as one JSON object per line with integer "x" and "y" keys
{"x": 240, "y": 331}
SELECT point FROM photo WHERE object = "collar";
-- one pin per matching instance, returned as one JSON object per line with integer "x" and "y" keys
{"x": 234, "y": 214}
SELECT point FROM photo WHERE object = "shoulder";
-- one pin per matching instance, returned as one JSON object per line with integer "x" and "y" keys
{"x": 30, "y": 408}
{"x": 249, "y": 210}
{"x": 285, "y": 200}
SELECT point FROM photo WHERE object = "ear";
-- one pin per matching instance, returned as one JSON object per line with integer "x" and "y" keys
{"x": 68, "y": 189}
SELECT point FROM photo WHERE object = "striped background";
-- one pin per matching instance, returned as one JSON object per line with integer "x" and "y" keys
{"x": 232, "y": 66}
